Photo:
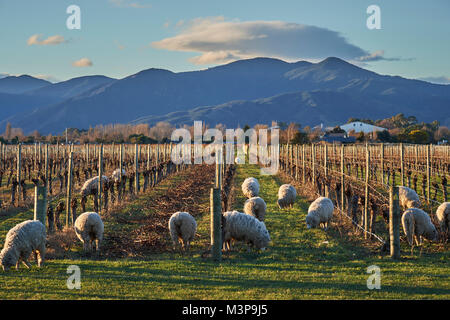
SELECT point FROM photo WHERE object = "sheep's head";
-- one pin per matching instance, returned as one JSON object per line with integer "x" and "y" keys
{"x": 7, "y": 260}
{"x": 431, "y": 234}
{"x": 312, "y": 221}
{"x": 413, "y": 204}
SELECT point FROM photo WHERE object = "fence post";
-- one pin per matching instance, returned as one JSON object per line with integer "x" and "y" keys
{"x": 19, "y": 169}
{"x": 136, "y": 168}
{"x": 428, "y": 173}
{"x": 100, "y": 175}
{"x": 366, "y": 193}
{"x": 69, "y": 189}
{"x": 402, "y": 164}
{"x": 325, "y": 165}
{"x": 394, "y": 222}
{"x": 303, "y": 164}
{"x": 40, "y": 204}
{"x": 382, "y": 163}
{"x": 313, "y": 159}
{"x": 342, "y": 178}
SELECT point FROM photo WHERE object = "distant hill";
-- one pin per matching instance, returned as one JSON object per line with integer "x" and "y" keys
{"x": 21, "y": 84}
{"x": 327, "y": 92}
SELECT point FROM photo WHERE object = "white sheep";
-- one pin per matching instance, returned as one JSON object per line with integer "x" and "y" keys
{"x": 416, "y": 225}
{"x": 256, "y": 207}
{"x": 115, "y": 176}
{"x": 250, "y": 187}
{"x": 408, "y": 198}
{"x": 443, "y": 216}
{"x": 89, "y": 229}
{"x": 319, "y": 212}
{"x": 25, "y": 238}
{"x": 286, "y": 196}
{"x": 91, "y": 185}
{"x": 239, "y": 226}
{"x": 182, "y": 226}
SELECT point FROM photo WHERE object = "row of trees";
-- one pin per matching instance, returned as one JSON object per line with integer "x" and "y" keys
{"x": 399, "y": 129}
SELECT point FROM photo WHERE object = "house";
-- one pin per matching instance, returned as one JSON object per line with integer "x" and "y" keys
{"x": 337, "y": 138}
{"x": 358, "y": 126}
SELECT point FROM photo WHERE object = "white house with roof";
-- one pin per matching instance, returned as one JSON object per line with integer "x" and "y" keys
{"x": 359, "y": 126}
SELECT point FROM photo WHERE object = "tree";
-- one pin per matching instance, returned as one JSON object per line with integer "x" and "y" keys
{"x": 300, "y": 138}
{"x": 418, "y": 136}
{"x": 360, "y": 137}
{"x": 8, "y": 131}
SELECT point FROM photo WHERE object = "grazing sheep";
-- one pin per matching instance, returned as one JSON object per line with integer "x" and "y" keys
{"x": 25, "y": 238}
{"x": 443, "y": 216}
{"x": 286, "y": 196}
{"x": 408, "y": 198}
{"x": 416, "y": 225}
{"x": 319, "y": 212}
{"x": 239, "y": 226}
{"x": 182, "y": 226}
{"x": 91, "y": 185}
{"x": 256, "y": 207}
{"x": 89, "y": 229}
{"x": 115, "y": 176}
{"x": 250, "y": 187}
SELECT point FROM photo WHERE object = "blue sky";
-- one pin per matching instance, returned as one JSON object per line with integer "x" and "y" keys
{"x": 122, "y": 37}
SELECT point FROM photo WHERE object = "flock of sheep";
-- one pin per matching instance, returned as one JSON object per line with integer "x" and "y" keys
{"x": 30, "y": 236}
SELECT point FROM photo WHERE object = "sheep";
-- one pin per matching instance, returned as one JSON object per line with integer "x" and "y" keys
{"x": 115, "y": 176}
{"x": 91, "y": 185}
{"x": 250, "y": 187}
{"x": 182, "y": 226}
{"x": 239, "y": 226}
{"x": 256, "y": 207}
{"x": 320, "y": 212}
{"x": 286, "y": 196}
{"x": 408, "y": 198}
{"x": 417, "y": 224}
{"x": 89, "y": 229}
{"x": 23, "y": 239}
{"x": 443, "y": 216}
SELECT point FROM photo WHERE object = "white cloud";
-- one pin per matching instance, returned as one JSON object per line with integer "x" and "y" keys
{"x": 129, "y": 4}
{"x": 53, "y": 40}
{"x": 83, "y": 62}
{"x": 47, "y": 77}
{"x": 218, "y": 41}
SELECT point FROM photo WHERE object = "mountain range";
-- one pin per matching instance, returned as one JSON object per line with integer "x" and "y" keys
{"x": 243, "y": 92}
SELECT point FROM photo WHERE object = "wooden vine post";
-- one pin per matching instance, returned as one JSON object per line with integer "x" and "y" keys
{"x": 216, "y": 216}
{"x": 313, "y": 159}
{"x": 366, "y": 192}
{"x": 325, "y": 166}
{"x": 100, "y": 175}
{"x": 402, "y": 164}
{"x": 19, "y": 169}
{"x": 342, "y": 178}
{"x": 69, "y": 189}
{"x": 136, "y": 168}
{"x": 428, "y": 173}
{"x": 40, "y": 204}
{"x": 382, "y": 163}
{"x": 394, "y": 222}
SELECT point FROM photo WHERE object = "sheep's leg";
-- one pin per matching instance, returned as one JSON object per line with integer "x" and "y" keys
{"x": 97, "y": 245}
{"x": 18, "y": 263}
{"x": 40, "y": 255}
{"x": 26, "y": 263}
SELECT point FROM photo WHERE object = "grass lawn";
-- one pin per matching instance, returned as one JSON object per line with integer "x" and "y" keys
{"x": 299, "y": 264}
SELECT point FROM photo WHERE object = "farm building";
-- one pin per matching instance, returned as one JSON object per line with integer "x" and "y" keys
{"x": 358, "y": 126}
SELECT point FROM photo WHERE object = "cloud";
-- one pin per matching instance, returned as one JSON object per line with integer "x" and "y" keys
{"x": 129, "y": 4}
{"x": 438, "y": 80}
{"x": 83, "y": 62}
{"x": 46, "y": 77}
{"x": 53, "y": 40}
{"x": 218, "y": 41}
